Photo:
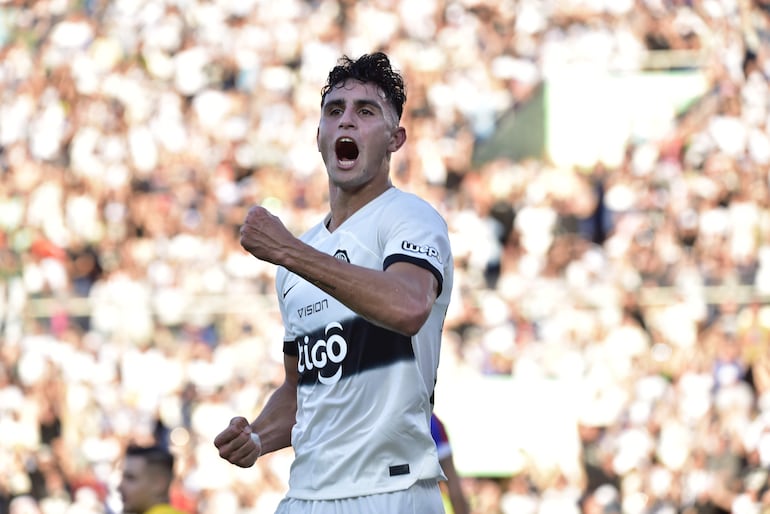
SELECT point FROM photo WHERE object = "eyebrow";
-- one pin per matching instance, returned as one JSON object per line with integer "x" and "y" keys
{"x": 363, "y": 102}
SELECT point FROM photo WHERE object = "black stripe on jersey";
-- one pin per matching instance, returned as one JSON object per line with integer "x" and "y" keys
{"x": 398, "y": 257}
{"x": 366, "y": 346}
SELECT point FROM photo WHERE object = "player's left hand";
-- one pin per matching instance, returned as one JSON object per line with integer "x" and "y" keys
{"x": 236, "y": 445}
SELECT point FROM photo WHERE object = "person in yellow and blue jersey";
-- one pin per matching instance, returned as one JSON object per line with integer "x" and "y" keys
{"x": 148, "y": 472}
{"x": 451, "y": 489}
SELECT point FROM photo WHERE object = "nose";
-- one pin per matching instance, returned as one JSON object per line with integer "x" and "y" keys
{"x": 346, "y": 119}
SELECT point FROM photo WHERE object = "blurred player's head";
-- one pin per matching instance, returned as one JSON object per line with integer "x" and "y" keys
{"x": 147, "y": 475}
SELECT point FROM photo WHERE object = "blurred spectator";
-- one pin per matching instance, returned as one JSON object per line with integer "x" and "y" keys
{"x": 148, "y": 472}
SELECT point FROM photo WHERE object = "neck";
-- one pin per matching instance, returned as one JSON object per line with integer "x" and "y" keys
{"x": 344, "y": 204}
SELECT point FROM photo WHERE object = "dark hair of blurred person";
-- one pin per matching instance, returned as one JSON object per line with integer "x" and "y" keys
{"x": 145, "y": 485}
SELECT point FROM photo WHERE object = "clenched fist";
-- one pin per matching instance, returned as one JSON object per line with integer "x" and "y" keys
{"x": 264, "y": 235}
{"x": 236, "y": 444}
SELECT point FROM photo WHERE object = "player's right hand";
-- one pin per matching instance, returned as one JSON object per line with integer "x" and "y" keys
{"x": 236, "y": 445}
{"x": 264, "y": 235}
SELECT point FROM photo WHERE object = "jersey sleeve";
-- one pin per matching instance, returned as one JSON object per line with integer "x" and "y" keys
{"x": 289, "y": 339}
{"x": 416, "y": 233}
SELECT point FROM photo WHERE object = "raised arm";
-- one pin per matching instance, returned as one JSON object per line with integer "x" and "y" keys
{"x": 399, "y": 298}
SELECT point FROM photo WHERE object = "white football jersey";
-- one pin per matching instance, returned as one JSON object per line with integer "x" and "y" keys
{"x": 365, "y": 393}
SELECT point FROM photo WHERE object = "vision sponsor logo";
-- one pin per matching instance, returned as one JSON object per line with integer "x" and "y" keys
{"x": 312, "y": 308}
{"x": 423, "y": 249}
{"x": 325, "y": 356}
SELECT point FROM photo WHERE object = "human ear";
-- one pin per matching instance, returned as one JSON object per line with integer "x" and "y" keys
{"x": 397, "y": 139}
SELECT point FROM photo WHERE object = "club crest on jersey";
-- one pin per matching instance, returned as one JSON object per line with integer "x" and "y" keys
{"x": 423, "y": 249}
{"x": 324, "y": 356}
{"x": 342, "y": 255}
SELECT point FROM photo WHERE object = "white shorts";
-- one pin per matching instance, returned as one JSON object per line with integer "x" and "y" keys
{"x": 424, "y": 497}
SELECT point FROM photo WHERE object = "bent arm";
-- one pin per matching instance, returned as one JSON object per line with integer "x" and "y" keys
{"x": 237, "y": 444}
{"x": 399, "y": 298}
{"x": 279, "y": 414}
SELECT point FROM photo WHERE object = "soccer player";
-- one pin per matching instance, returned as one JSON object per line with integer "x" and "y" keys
{"x": 453, "y": 486}
{"x": 147, "y": 475}
{"x": 363, "y": 295}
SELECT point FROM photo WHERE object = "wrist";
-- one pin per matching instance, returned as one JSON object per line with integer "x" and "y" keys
{"x": 255, "y": 437}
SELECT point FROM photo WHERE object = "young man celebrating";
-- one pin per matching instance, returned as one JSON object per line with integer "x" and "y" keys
{"x": 363, "y": 296}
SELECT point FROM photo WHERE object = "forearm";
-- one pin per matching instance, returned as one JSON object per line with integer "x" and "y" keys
{"x": 400, "y": 301}
{"x": 274, "y": 423}
{"x": 454, "y": 487}
{"x": 457, "y": 499}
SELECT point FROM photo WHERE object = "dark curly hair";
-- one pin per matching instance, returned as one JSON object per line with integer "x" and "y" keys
{"x": 369, "y": 68}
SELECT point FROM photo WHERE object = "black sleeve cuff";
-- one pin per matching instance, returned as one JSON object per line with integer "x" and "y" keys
{"x": 290, "y": 348}
{"x": 417, "y": 262}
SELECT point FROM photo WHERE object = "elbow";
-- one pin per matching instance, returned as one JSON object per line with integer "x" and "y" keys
{"x": 411, "y": 317}
{"x": 408, "y": 305}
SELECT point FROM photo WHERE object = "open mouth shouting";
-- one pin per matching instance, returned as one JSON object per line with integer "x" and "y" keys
{"x": 347, "y": 152}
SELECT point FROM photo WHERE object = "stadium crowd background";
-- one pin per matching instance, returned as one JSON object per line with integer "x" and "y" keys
{"x": 134, "y": 134}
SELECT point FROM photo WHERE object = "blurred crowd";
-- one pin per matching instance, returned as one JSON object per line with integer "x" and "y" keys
{"x": 135, "y": 134}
